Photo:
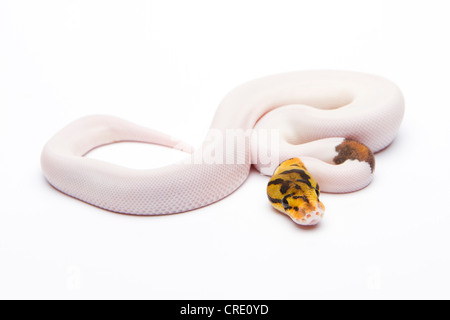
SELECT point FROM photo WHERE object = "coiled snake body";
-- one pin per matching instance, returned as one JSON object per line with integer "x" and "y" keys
{"x": 331, "y": 120}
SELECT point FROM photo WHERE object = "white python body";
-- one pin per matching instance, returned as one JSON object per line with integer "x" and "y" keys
{"x": 313, "y": 111}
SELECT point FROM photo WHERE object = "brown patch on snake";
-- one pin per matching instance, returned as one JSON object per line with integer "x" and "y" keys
{"x": 353, "y": 150}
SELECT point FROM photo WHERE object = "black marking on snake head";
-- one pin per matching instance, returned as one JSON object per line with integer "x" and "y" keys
{"x": 276, "y": 181}
{"x": 285, "y": 187}
{"x": 305, "y": 182}
{"x": 285, "y": 202}
{"x": 301, "y": 172}
{"x": 317, "y": 189}
{"x": 274, "y": 200}
{"x": 301, "y": 197}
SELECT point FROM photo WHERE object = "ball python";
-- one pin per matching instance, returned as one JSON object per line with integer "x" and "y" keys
{"x": 324, "y": 128}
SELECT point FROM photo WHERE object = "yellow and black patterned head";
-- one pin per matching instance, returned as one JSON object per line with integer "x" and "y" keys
{"x": 294, "y": 192}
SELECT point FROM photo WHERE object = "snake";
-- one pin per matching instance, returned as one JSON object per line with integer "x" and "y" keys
{"x": 311, "y": 131}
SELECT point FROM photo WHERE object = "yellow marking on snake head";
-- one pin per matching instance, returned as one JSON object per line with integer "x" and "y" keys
{"x": 294, "y": 192}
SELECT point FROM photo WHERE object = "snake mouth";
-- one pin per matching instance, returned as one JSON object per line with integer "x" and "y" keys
{"x": 307, "y": 218}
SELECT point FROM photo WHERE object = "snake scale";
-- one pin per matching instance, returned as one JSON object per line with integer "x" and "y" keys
{"x": 323, "y": 127}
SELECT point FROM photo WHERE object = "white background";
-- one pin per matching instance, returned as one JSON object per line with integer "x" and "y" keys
{"x": 166, "y": 65}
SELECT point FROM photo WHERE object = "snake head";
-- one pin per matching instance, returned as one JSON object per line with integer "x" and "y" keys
{"x": 306, "y": 213}
{"x": 294, "y": 192}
